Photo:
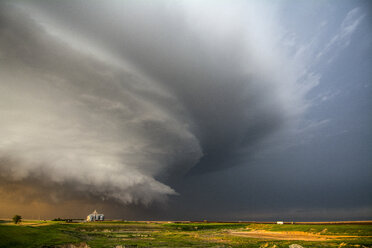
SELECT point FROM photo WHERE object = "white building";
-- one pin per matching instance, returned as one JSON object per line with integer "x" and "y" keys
{"x": 280, "y": 222}
{"x": 95, "y": 216}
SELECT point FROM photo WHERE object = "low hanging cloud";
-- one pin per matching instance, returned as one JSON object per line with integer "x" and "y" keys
{"x": 115, "y": 106}
{"x": 69, "y": 118}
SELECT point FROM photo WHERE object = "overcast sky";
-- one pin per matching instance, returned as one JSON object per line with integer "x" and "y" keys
{"x": 188, "y": 110}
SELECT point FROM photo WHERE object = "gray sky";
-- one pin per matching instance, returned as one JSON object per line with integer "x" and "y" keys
{"x": 223, "y": 110}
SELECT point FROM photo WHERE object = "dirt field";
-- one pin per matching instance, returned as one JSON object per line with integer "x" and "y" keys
{"x": 262, "y": 234}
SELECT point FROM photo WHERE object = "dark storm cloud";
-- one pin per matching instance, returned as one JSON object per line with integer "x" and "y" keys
{"x": 110, "y": 102}
{"x": 216, "y": 61}
{"x": 110, "y": 138}
{"x": 118, "y": 100}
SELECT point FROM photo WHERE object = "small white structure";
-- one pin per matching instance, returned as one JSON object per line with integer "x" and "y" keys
{"x": 280, "y": 222}
{"x": 95, "y": 216}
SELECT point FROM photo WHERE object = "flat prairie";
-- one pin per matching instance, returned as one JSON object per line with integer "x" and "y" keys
{"x": 183, "y": 234}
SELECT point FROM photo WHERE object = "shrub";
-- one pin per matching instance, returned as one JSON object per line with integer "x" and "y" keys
{"x": 17, "y": 218}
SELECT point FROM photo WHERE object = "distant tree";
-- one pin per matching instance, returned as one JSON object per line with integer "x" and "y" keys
{"x": 17, "y": 218}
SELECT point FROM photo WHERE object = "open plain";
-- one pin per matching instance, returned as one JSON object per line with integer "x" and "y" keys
{"x": 182, "y": 234}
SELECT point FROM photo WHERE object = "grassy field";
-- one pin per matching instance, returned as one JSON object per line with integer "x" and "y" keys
{"x": 165, "y": 234}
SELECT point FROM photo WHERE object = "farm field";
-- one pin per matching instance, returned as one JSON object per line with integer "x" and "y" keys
{"x": 181, "y": 234}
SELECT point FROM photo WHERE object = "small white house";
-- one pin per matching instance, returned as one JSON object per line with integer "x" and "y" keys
{"x": 280, "y": 222}
{"x": 95, "y": 216}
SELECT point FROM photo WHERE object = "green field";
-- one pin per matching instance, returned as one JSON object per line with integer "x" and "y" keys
{"x": 165, "y": 234}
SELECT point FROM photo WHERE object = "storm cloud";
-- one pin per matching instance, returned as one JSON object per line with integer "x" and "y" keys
{"x": 68, "y": 117}
{"x": 119, "y": 100}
